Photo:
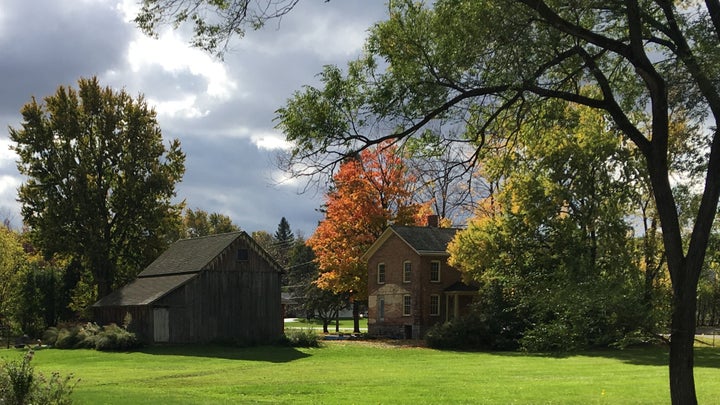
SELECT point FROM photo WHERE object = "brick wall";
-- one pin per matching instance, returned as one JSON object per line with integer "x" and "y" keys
{"x": 394, "y": 253}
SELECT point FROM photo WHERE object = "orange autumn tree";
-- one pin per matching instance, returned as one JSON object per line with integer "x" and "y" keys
{"x": 369, "y": 192}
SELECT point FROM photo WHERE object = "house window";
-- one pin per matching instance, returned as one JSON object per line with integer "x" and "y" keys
{"x": 381, "y": 308}
{"x": 435, "y": 271}
{"x": 407, "y": 305}
{"x": 434, "y": 305}
{"x": 407, "y": 272}
{"x": 381, "y": 273}
{"x": 243, "y": 255}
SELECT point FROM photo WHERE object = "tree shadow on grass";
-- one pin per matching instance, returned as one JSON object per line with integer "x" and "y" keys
{"x": 270, "y": 354}
{"x": 650, "y": 355}
{"x": 708, "y": 357}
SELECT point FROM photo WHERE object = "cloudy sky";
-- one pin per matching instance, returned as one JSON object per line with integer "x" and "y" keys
{"x": 221, "y": 111}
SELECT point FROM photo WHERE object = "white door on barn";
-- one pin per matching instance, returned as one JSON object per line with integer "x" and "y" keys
{"x": 161, "y": 325}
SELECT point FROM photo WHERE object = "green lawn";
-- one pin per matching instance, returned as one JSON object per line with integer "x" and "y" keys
{"x": 349, "y": 372}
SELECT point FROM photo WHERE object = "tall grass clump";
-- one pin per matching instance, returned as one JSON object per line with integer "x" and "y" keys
{"x": 20, "y": 385}
{"x": 302, "y": 338}
{"x": 92, "y": 336}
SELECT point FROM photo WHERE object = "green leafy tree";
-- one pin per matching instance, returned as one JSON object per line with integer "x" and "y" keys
{"x": 11, "y": 262}
{"x": 264, "y": 239}
{"x": 199, "y": 223}
{"x": 302, "y": 267}
{"x": 556, "y": 254}
{"x": 99, "y": 180}
{"x": 489, "y": 65}
{"x": 303, "y": 273}
{"x": 284, "y": 240}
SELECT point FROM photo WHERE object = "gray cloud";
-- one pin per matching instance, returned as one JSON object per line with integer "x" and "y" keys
{"x": 46, "y": 43}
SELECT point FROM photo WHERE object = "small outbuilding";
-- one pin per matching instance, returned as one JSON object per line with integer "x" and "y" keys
{"x": 215, "y": 288}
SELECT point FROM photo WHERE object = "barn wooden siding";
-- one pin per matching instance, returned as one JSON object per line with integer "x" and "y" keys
{"x": 229, "y": 300}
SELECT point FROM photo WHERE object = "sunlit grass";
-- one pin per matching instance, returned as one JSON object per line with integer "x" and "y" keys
{"x": 370, "y": 372}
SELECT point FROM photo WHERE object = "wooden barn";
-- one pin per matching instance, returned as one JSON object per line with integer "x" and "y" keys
{"x": 215, "y": 288}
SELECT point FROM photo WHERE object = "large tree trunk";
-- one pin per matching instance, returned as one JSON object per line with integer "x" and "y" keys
{"x": 685, "y": 269}
{"x": 682, "y": 336}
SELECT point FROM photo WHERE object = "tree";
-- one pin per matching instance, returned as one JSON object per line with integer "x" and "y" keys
{"x": 443, "y": 177}
{"x": 369, "y": 192}
{"x": 199, "y": 223}
{"x": 488, "y": 64}
{"x": 99, "y": 180}
{"x": 214, "y": 22}
{"x": 284, "y": 240}
{"x": 11, "y": 262}
{"x": 302, "y": 276}
{"x": 554, "y": 258}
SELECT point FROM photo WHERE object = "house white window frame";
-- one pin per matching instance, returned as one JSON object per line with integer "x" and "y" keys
{"x": 407, "y": 305}
{"x": 407, "y": 271}
{"x": 439, "y": 266}
{"x": 381, "y": 273}
{"x": 434, "y": 306}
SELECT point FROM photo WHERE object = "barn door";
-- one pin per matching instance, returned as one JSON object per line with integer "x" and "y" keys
{"x": 161, "y": 325}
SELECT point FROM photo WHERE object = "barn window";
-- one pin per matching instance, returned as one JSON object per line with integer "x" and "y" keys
{"x": 435, "y": 271}
{"x": 381, "y": 273}
{"x": 381, "y": 308}
{"x": 243, "y": 255}
{"x": 434, "y": 305}
{"x": 407, "y": 305}
{"x": 407, "y": 272}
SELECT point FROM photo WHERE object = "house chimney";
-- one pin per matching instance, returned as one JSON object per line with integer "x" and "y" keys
{"x": 433, "y": 221}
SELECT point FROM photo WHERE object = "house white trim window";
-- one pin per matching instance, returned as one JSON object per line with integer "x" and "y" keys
{"x": 407, "y": 271}
{"x": 381, "y": 273}
{"x": 435, "y": 271}
{"x": 434, "y": 305}
{"x": 407, "y": 305}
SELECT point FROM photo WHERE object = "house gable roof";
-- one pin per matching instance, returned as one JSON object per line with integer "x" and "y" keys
{"x": 182, "y": 261}
{"x": 424, "y": 240}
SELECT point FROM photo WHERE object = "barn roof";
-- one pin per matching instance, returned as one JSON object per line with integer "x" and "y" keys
{"x": 190, "y": 255}
{"x": 424, "y": 240}
{"x": 182, "y": 261}
{"x": 143, "y": 291}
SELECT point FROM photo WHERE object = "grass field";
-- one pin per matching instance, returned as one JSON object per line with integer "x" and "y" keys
{"x": 358, "y": 372}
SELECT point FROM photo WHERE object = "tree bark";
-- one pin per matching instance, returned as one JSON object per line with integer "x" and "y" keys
{"x": 356, "y": 316}
{"x": 682, "y": 336}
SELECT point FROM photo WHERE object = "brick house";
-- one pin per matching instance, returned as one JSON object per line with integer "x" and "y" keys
{"x": 410, "y": 285}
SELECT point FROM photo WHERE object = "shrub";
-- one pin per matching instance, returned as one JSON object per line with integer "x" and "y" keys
{"x": 20, "y": 376}
{"x": 113, "y": 337}
{"x": 20, "y": 385}
{"x": 87, "y": 335}
{"x": 50, "y": 336}
{"x": 67, "y": 338}
{"x": 472, "y": 332}
{"x": 302, "y": 338}
{"x": 92, "y": 336}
